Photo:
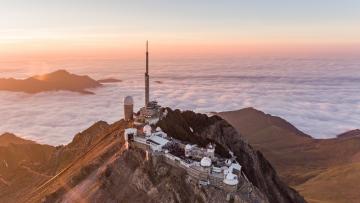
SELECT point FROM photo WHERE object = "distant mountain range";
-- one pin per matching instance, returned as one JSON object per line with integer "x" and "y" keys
{"x": 55, "y": 81}
{"x": 322, "y": 170}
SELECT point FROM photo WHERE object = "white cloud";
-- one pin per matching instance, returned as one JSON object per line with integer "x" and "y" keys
{"x": 316, "y": 96}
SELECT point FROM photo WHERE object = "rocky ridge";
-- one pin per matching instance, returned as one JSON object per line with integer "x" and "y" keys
{"x": 96, "y": 167}
{"x": 314, "y": 167}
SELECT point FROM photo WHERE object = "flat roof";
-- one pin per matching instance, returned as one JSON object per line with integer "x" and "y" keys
{"x": 158, "y": 140}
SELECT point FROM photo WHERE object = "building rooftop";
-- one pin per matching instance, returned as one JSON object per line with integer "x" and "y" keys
{"x": 128, "y": 100}
{"x": 157, "y": 139}
{"x": 205, "y": 162}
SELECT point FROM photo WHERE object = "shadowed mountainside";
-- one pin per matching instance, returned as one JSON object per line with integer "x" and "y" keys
{"x": 303, "y": 162}
{"x": 55, "y": 81}
{"x": 259, "y": 171}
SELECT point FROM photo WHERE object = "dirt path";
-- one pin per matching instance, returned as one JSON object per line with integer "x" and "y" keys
{"x": 35, "y": 172}
{"x": 2, "y": 180}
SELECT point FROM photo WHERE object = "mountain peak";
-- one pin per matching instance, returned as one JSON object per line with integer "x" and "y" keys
{"x": 54, "y": 81}
{"x": 349, "y": 134}
{"x": 256, "y": 120}
{"x": 9, "y": 138}
{"x": 58, "y": 74}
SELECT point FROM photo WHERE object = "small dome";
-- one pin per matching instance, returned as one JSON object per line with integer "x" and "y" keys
{"x": 231, "y": 179}
{"x": 158, "y": 129}
{"x": 205, "y": 162}
{"x": 228, "y": 162}
{"x": 128, "y": 100}
{"x": 147, "y": 130}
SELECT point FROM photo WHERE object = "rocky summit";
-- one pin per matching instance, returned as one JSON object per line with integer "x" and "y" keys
{"x": 98, "y": 166}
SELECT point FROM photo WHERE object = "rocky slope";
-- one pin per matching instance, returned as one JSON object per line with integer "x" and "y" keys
{"x": 341, "y": 180}
{"x": 109, "y": 173}
{"x": 350, "y": 134}
{"x": 132, "y": 177}
{"x": 302, "y": 161}
{"x": 259, "y": 171}
{"x": 55, "y": 81}
{"x": 96, "y": 167}
{"x": 25, "y": 164}
{"x": 22, "y": 166}
{"x": 7, "y": 139}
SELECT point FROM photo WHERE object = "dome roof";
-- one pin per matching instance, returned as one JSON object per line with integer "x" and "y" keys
{"x": 205, "y": 162}
{"x": 188, "y": 147}
{"x": 147, "y": 130}
{"x": 128, "y": 100}
{"x": 228, "y": 162}
{"x": 231, "y": 179}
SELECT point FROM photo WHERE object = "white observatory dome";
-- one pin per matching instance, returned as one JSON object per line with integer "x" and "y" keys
{"x": 231, "y": 179}
{"x": 147, "y": 130}
{"x": 205, "y": 162}
{"x": 128, "y": 100}
{"x": 228, "y": 162}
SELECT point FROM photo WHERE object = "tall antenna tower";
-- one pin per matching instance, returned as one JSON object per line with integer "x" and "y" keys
{"x": 147, "y": 86}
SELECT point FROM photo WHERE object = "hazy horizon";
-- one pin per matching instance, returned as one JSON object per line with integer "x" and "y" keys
{"x": 317, "y": 95}
{"x": 117, "y": 29}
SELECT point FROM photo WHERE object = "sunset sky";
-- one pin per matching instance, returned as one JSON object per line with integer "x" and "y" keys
{"x": 114, "y": 28}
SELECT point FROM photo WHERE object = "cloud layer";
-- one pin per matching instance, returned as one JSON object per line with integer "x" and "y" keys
{"x": 319, "y": 96}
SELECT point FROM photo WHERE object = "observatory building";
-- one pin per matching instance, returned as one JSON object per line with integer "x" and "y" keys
{"x": 128, "y": 108}
{"x": 202, "y": 164}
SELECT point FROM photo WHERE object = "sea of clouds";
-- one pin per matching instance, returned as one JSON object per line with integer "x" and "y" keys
{"x": 319, "y": 96}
